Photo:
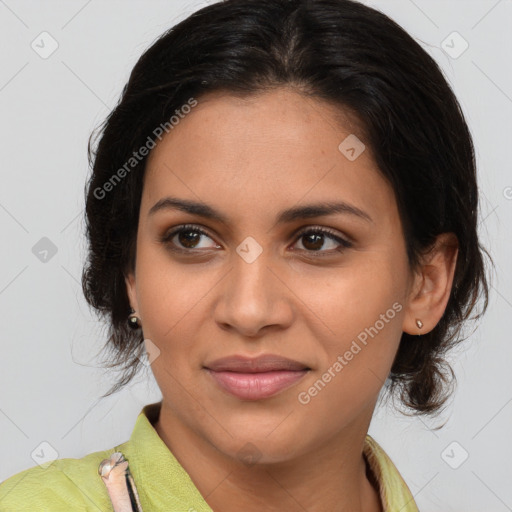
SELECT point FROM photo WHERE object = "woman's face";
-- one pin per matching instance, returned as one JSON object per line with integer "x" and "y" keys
{"x": 327, "y": 290}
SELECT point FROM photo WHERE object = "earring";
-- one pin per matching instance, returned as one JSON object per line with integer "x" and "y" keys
{"x": 419, "y": 323}
{"x": 133, "y": 320}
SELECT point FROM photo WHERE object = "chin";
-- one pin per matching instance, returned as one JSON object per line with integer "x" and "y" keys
{"x": 258, "y": 442}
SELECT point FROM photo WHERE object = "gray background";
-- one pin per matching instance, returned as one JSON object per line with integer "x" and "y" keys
{"x": 50, "y": 382}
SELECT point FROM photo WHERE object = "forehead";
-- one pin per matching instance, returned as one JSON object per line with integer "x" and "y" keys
{"x": 259, "y": 118}
{"x": 275, "y": 147}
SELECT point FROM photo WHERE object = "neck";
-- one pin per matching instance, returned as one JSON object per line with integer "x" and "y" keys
{"x": 332, "y": 476}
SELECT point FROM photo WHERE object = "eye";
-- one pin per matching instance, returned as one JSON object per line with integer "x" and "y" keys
{"x": 187, "y": 238}
{"x": 314, "y": 240}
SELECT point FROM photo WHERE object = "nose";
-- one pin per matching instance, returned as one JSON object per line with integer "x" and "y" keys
{"x": 254, "y": 297}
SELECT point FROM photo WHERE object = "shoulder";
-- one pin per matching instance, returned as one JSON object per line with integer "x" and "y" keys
{"x": 63, "y": 485}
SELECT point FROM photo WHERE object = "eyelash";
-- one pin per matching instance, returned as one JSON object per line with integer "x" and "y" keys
{"x": 345, "y": 244}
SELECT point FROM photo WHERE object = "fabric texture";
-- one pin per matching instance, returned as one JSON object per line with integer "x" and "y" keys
{"x": 162, "y": 483}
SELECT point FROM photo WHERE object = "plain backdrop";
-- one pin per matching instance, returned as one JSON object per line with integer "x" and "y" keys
{"x": 50, "y": 382}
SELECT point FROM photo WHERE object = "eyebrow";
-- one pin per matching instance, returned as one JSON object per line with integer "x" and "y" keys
{"x": 285, "y": 216}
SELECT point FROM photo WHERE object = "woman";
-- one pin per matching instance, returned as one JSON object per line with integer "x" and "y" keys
{"x": 283, "y": 214}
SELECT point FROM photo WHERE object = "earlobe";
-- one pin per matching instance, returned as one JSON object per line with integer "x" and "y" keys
{"x": 432, "y": 286}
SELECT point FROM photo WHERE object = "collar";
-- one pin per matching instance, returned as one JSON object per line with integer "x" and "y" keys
{"x": 163, "y": 484}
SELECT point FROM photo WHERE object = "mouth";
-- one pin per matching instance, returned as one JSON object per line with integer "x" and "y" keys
{"x": 255, "y": 378}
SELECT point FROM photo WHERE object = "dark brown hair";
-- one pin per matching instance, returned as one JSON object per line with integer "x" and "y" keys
{"x": 340, "y": 51}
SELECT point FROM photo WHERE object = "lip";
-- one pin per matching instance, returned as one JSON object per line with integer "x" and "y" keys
{"x": 256, "y": 378}
{"x": 263, "y": 363}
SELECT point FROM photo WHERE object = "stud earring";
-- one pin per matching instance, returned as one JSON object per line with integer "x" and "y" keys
{"x": 419, "y": 323}
{"x": 133, "y": 320}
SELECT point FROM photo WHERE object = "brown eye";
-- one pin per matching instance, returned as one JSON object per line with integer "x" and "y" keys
{"x": 314, "y": 239}
{"x": 186, "y": 238}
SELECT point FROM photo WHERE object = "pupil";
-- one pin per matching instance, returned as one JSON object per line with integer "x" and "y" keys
{"x": 318, "y": 239}
{"x": 186, "y": 237}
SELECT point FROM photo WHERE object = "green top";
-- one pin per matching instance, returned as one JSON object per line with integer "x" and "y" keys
{"x": 162, "y": 483}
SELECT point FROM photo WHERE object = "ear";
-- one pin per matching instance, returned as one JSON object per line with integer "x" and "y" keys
{"x": 432, "y": 285}
{"x": 131, "y": 290}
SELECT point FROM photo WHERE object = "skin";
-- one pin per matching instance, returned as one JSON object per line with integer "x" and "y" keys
{"x": 249, "y": 159}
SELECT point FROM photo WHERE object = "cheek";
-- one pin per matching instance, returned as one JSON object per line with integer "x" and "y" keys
{"x": 166, "y": 294}
{"x": 363, "y": 308}
{"x": 357, "y": 359}
{"x": 355, "y": 297}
